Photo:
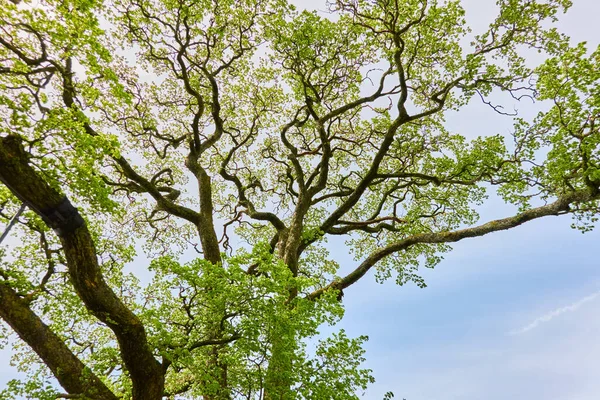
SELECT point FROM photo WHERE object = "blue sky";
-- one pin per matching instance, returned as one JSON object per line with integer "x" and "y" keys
{"x": 512, "y": 315}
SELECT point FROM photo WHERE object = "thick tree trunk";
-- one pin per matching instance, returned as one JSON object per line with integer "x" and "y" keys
{"x": 212, "y": 253}
{"x": 279, "y": 379}
{"x": 146, "y": 373}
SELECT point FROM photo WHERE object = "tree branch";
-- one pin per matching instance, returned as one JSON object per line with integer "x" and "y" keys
{"x": 71, "y": 373}
{"x": 82, "y": 263}
{"x": 558, "y": 207}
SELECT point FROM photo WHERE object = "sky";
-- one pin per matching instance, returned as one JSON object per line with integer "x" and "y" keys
{"x": 512, "y": 315}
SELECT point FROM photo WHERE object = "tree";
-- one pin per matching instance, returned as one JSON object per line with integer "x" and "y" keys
{"x": 251, "y": 133}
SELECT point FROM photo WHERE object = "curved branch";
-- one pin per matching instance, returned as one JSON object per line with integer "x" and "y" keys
{"x": 163, "y": 202}
{"x": 558, "y": 207}
{"x": 71, "y": 373}
{"x": 82, "y": 263}
{"x": 371, "y": 174}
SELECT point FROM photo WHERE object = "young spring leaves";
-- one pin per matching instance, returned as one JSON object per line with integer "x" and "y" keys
{"x": 227, "y": 141}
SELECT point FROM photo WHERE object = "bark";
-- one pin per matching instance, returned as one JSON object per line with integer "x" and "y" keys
{"x": 71, "y": 373}
{"x": 212, "y": 252}
{"x": 146, "y": 373}
{"x": 279, "y": 380}
{"x": 206, "y": 226}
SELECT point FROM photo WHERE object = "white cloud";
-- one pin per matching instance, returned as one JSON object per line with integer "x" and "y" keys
{"x": 555, "y": 313}
{"x": 559, "y": 362}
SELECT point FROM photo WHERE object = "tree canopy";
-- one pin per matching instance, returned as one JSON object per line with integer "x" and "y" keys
{"x": 227, "y": 141}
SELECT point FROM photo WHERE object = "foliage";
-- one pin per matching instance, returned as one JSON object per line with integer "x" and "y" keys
{"x": 215, "y": 145}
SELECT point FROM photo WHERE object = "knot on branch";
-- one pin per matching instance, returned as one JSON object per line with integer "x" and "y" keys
{"x": 64, "y": 218}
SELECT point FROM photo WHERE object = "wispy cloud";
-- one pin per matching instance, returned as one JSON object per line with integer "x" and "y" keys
{"x": 553, "y": 314}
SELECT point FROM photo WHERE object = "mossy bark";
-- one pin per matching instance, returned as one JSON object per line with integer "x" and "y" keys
{"x": 16, "y": 173}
